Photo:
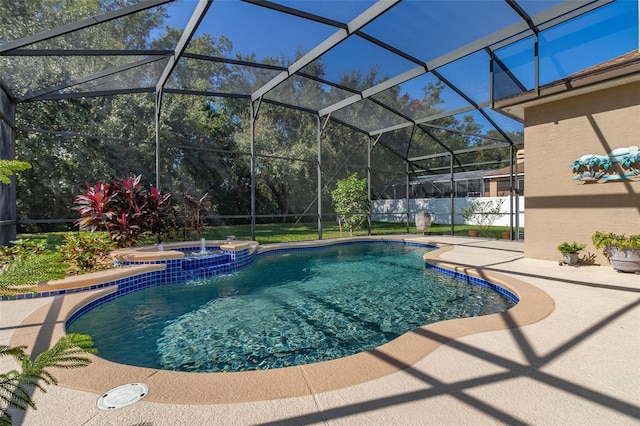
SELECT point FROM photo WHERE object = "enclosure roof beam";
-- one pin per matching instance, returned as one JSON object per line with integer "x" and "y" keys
{"x": 413, "y": 125}
{"x": 524, "y": 15}
{"x": 391, "y": 109}
{"x": 185, "y": 38}
{"x": 286, "y": 105}
{"x": 327, "y": 82}
{"x": 349, "y": 126}
{"x": 5, "y": 87}
{"x": 464, "y": 151}
{"x": 387, "y": 84}
{"x": 462, "y": 166}
{"x": 391, "y": 150}
{"x": 436, "y": 140}
{"x": 506, "y": 36}
{"x": 206, "y": 93}
{"x": 391, "y": 128}
{"x": 247, "y": 96}
{"x": 232, "y": 61}
{"x": 462, "y": 132}
{"x": 450, "y": 113}
{"x": 296, "y": 12}
{"x": 90, "y": 94}
{"x": 436, "y": 63}
{"x": 553, "y": 16}
{"x": 339, "y": 36}
{"x": 81, "y": 135}
{"x": 566, "y": 11}
{"x": 476, "y": 106}
{"x": 391, "y": 49}
{"x": 87, "y": 52}
{"x": 495, "y": 126}
{"x": 442, "y": 144}
{"x": 506, "y": 69}
{"x": 101, "y": 74}
{"x": 455, "y": 88}
{"x": 79, "y": 25}
{"x": 424, "y": 120}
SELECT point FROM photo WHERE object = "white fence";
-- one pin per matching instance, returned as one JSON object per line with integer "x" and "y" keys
{"x": 440, "y": 210}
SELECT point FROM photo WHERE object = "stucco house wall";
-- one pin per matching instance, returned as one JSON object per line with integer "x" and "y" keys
{"x": 559, "y": 208}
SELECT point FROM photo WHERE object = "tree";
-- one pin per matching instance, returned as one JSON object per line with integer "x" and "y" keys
{"x": 351, "y": 202}
{"x": 206, "y": 140}
{"x": 8, "y": 167}
{"x": 62, "y": 163}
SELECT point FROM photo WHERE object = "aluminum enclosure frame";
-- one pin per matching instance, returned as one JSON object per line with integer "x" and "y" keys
{"x": 526, "y": 27}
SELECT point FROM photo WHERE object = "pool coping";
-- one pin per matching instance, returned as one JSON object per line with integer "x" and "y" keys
{"x": 305, "y": 380}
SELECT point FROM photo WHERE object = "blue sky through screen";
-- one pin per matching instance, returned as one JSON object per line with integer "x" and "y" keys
{"x": 596, "y": 37}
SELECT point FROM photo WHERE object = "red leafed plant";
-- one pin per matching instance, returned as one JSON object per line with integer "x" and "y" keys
{"x": 125, "y": 209}
{"x": 93, "y": 207}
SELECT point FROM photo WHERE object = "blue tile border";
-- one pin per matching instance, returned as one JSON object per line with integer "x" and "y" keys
{"x": 475, "y": 281}
{"x": 176, "y": 270}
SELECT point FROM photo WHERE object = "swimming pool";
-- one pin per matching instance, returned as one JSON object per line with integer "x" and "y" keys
{"x": 288, "y": 308}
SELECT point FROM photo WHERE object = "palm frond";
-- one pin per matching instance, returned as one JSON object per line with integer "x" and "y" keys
{"x": 64, "y": 354}
{"x": 17, "y": 352}
{"x": 13, "y": 394}
{"x": 25, "y": 272}
{"x": 5, "y": 418}
{"x": 16, "y": 386}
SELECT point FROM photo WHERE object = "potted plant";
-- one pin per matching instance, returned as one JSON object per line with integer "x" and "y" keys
{"x": 481, "y": 213}
{"x": 570, "y": 252}
{"x": 623, "y": 252}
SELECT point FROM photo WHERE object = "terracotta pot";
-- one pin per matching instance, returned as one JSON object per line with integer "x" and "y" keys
{"x": 506, "y": 235}
{"x": 474, "y": 233}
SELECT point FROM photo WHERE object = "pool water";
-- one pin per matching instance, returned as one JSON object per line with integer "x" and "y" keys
{"x": 288, "y": 308}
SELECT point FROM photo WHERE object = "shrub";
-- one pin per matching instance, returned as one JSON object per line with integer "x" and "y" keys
{"x": 482, "y": 213}
{"x": 569, "y": 248}
{"x": 125, "y": 209}
{"x": 86, "y": 252}
{"x": 22, "y": 248}
{"x": 351, "y": 201}
{"x": 607, "y": 240}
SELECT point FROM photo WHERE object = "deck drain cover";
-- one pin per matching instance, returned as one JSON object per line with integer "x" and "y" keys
{"x": 122, "y": 396}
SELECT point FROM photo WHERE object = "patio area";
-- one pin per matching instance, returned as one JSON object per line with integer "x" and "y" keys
{"x": 577, "y": 365}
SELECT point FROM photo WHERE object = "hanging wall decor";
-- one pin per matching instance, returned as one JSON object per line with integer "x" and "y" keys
{"x": 619, "y": 164}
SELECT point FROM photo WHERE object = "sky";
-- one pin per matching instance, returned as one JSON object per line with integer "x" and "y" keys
{"x": 601, "y": 35}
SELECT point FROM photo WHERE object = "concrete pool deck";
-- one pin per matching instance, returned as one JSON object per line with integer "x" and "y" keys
{"x": 576, "y": 362}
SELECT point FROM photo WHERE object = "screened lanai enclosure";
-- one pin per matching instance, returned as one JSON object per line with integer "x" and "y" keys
{"x": 264, "y": 105}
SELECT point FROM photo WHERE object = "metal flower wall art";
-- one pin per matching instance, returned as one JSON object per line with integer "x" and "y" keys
{"x": 619, "y": 164}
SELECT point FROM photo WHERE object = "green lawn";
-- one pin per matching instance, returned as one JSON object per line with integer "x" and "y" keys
{"x": 32, "y": 269}
{"x": 287, "y": 232}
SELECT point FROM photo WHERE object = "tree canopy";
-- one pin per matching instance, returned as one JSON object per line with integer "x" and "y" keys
{"x": 206, "y": 140}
